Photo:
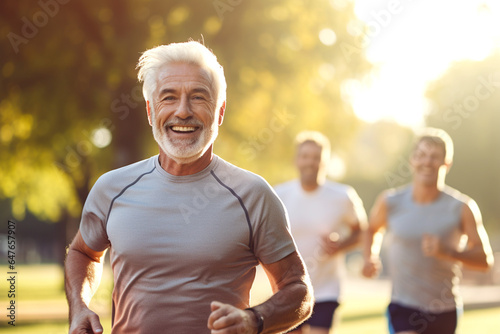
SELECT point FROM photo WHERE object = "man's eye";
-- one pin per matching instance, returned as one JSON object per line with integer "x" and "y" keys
{"x": 168, "y": 98}
{"x": 198, "y": 97}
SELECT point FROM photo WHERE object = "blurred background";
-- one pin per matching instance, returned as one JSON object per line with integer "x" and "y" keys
{"x": 366, "y": 73}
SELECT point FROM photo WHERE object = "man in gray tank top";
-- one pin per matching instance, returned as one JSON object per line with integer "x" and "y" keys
{"x": 432, "y": 229}
{"x": 185, "y": 228}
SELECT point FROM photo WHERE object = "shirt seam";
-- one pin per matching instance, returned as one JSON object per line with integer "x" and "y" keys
{"x": 240, "y": 200}
{"x": 123, "y": 190}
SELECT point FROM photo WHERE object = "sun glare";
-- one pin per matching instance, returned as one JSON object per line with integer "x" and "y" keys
{"x": 412, "y": 43}
{"x": 327, "y": 36}
{"x": 101, "y": 137}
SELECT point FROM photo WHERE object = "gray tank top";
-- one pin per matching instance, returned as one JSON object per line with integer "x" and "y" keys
{"x": 421, "y": 282}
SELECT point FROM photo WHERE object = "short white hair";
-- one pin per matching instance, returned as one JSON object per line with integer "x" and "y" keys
{"x": 191, "y": 52}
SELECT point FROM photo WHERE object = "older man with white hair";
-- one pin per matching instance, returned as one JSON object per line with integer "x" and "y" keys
{"x": 185, "y": 228}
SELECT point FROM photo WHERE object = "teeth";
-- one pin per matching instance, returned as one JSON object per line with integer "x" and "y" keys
{"x": 183, "y": 128}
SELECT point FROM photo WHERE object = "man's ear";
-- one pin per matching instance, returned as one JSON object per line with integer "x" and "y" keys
{"x": 148, "y": 109}
{"x": 221, "y": 112}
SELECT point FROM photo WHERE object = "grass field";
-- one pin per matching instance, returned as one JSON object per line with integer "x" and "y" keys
{"x": 41, "y": 306}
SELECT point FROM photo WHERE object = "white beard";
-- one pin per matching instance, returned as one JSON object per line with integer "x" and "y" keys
{"x": 184, "y": 151}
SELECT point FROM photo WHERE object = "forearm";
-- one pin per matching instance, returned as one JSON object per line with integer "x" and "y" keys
{"x": 474, "y": 258}
{"x": 350, "y": 242}
{"x": 287, "y": 307}
{"x": 82, "y": 278}
{"x": 371, "y": 242}
{"x": 292, "y": 299}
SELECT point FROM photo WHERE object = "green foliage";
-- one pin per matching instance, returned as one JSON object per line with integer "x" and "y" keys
{"x": 465, "y": 102}
{"x": 377, "y": 159}
{"x": 68, "y": 69}
{"x": 282, "y": 80}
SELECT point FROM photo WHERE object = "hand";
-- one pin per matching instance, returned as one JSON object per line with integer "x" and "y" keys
{"x": 431, "y": 245}
{"x": 85, "y": 322}
{"x": 371, "y": 268}
{"x": 227, "y": 319}
{"x": 330, "y": 243}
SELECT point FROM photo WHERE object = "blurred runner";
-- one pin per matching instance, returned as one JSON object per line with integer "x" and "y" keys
{"x": 431, "y": 230}
{"x": 326, "y": 219}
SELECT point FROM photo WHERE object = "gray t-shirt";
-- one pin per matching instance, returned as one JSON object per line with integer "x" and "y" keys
{"x": 419, "y": 281}
{"x": 179, "y": 242}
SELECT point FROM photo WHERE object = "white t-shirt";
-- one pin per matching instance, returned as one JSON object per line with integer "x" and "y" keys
{"x": 330, "y": 208}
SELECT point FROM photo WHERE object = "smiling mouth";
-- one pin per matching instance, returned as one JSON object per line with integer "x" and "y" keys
{"x": 183, "y": 129}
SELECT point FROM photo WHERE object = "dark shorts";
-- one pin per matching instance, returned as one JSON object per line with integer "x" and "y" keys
{"x": 322, "y": 315}
{"x": 402, "y": 318}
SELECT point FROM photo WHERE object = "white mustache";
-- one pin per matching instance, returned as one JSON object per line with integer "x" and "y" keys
{"x": 182, "y": 122}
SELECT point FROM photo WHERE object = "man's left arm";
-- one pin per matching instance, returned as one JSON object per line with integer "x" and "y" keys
{"x": 290, "y": 304}
{"x": 355, "y": 219}
{"x": 332, "y": 243}
{"x": 477, "y": 254}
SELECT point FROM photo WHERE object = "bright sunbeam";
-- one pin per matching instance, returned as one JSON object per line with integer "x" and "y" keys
{"x": 412, "y": 43}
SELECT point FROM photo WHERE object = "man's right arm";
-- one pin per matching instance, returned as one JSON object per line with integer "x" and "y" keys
{"x": 83, "y": 271}
{"x": 372, "y": 237}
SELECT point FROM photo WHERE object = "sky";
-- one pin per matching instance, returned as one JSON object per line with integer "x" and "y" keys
{"x": 413, "y": 42}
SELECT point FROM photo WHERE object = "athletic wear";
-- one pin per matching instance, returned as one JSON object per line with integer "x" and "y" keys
{"x": 423, "y": 282}
{"x": 329, "y": 208}
{"x": 403, "y": 318}
{"x": 322, "y": 315}
{"x": 179, "y": 242}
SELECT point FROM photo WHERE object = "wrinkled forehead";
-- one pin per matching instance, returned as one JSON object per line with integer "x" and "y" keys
{"x": 183, "y": 71}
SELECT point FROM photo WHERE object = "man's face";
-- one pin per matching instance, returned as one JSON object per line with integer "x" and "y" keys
{"x": 428, "y": 162}
{"x": 185, "y": 121}
{"x": 308, "y": 161}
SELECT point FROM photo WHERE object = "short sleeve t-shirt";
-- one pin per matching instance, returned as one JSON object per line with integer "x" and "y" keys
{"x": 332, "y": 207}
{"x": 179, "y": 242}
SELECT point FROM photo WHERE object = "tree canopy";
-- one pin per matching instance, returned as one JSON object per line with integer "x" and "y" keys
{"x": 71, "y": 107}
{"x": 465, "y": 102}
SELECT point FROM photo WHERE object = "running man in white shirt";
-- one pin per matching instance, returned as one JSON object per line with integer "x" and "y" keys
{"x": 326, "y": 219}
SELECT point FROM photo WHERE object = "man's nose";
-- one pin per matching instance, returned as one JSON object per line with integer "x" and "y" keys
{"x": 184, "y": 108}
